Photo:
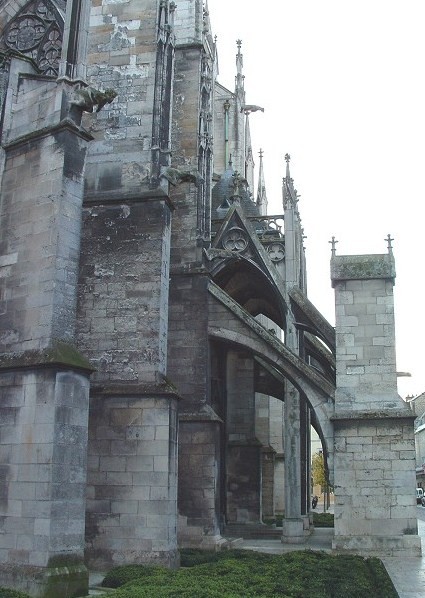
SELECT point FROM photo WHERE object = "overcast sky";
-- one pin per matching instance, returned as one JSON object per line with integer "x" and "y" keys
{"x": 342, "y": 85}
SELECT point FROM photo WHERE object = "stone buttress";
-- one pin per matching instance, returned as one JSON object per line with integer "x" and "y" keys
{"x": 124, "y": 286}
{"x": 375, "y": 508}
{"x": 44, "y": 380}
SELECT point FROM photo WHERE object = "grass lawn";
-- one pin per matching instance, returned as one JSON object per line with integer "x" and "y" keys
{"x": 245, "y": 574}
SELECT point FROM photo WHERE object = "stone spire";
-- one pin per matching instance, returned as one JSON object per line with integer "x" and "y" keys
{"x": 249, "y": 158}
{"x": 207, "y": 31}
{"x": 289, "y": 193}
{"x": 240, "y": 78}
{"x": 261, "y": 190}
{"x": 294, "y": 235}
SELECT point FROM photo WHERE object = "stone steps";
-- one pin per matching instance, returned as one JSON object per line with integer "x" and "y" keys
{"x": 252, "y": 531}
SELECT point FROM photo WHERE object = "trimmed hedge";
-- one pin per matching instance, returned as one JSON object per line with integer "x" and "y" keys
{"x": 246, "y": 574}
{"x": 9, "y": 593}
{"x": 323, "y": 519}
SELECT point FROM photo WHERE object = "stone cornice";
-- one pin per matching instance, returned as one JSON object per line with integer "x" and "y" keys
{"x": 58, "y": 355}
{"x": 66, "y": 124}
{"x": 362, "y": 267}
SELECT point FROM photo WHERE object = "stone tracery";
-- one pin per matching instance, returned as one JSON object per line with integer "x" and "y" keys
{"x": 37, "y": 32}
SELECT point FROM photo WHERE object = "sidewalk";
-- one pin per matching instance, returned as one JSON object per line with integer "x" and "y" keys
{"x": 408, "y": 574}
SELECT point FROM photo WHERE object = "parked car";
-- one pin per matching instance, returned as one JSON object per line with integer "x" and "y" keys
{"x": 419, "y": 496}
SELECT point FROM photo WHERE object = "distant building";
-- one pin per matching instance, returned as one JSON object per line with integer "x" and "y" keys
{"x": 417, "y": 404}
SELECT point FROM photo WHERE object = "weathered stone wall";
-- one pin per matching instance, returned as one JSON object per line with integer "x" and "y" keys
{"x": 122, "y": 56}
{"x": 365, "y": 337}
{"x": 189, "y": 22}
{"x": 228, "y": 116}
{"x": 43, "y": 428}
{"x": 41, "y": 193}
{"x": 199, "y": 481}
{"x": 124, "y": 288}
{"x": 123, "y": 291}
{"x": 132, "y": 481}
{"x": 374, "y": 485}
{"x": 188, "y": 351}
{"x": 222, "y": 97}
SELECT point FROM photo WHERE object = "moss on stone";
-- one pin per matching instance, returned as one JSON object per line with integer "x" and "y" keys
{"x": 65, "y": 560}
{"x": 58, "y": 353}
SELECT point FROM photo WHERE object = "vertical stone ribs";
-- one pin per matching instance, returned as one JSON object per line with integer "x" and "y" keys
{"x": 71, "y": 53}
{"x": 161, "y": 125}
{"x": 205, "y": 149}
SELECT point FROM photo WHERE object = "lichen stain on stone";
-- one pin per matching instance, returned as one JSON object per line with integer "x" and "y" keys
{"x": 125, "y": 212}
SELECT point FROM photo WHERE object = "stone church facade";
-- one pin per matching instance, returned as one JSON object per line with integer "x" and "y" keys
{"x": 161, "y": 364}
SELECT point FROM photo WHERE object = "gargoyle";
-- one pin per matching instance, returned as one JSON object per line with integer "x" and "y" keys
{"x": 87, "y": 98}
{"x": 248, "y": 108}
{"x": 176, "y": 176}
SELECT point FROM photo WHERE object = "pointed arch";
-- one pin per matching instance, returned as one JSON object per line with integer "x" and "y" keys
{"x": 246, "y": 283}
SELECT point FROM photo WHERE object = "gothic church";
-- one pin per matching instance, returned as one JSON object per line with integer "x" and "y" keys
{"x": 161, "y": 365}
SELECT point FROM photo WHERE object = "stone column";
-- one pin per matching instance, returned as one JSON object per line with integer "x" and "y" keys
{"x": 199, "y": 480}
{"x": 293, "y": 524}
{"x": 243, "y": 448}
{"x": 267, "y": 478}
{"x": 375, "y": 505}
{"x": 132, "y": 478}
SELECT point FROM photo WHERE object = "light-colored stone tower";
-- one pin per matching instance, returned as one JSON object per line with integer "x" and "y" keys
{"x": 374, "y": 441}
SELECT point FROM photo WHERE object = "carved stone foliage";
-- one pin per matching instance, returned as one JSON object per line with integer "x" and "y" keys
{"x": 37, "y": 31}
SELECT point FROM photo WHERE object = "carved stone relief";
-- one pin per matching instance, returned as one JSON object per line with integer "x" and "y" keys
{"x": 235, "y": 240}
{"x": 276, "y": 252}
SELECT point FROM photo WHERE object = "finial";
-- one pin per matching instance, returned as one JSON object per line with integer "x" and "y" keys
{"x": 239, "y": 44}
{"x": 389, "y": 246}
{"x": 288, "y": 174}
{"x": 215, "y": 40}
{"x": 261, "y": 153}
{"x": 333, "y": 243}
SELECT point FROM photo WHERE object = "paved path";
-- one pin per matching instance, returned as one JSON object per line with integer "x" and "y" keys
{"x": 408, "y": 574}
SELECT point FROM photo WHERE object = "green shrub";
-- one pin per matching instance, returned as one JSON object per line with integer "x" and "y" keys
{"x": 246, "y": 574}
{"x": 277, "y": 521}
{"x": 323, "y": 519}
{"x": 189, "y": 557}
{"x": 9, "y": 593}
{"x": 119, "y": 576}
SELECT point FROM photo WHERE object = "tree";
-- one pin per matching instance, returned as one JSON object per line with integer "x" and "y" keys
{"x": 318, "y": 470}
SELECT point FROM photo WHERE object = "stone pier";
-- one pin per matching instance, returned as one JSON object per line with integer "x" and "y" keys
{"x": 375, "y": 508}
